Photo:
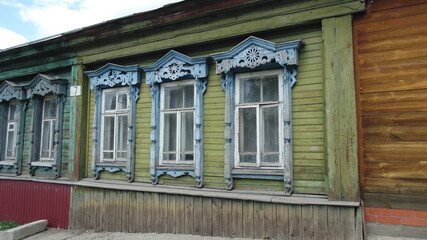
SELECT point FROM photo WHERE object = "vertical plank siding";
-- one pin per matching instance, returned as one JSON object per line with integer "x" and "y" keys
{"x": 391, "y": 62}
{"x": 23, "y": 202}
{"x": 129, "y": 211}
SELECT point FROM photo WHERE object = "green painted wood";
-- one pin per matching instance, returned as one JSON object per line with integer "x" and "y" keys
{"x": 340, "y": 114}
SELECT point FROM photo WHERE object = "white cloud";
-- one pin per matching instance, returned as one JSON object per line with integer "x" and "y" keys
{"x": 52, "y": 17}
{"x": 9, "y": 38}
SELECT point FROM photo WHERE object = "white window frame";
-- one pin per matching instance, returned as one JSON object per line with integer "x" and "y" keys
{"x": 14, "y": 123}
{"x": 52, "y": 130}
{"x": 178, "y": 112}
{"x": 115, "y": 113}
{"x": 258, "y": 106}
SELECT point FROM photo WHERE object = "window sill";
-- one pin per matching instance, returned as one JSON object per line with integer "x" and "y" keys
{"x": 42, "y": 164}
{"x": 7, "y": 163}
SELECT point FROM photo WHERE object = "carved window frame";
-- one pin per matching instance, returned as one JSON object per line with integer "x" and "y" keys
{"x": 9, "y": 91}
{"x": 255, "y": 54}
{"x": 41, "y": 87}
{"x": 107, "y": 77}
{"x": 175, "y": 66}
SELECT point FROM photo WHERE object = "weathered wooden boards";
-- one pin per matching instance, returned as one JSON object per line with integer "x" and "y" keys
{"x": 391, "y": 63}
{"x": 129, "y": 211}
{"x": 340, "y": 119}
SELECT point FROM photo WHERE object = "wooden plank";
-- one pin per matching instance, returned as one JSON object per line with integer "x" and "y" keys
{"x": 126, "y": 211}
{"x": 118, "y": 206}
{"x": 98, "y": 201}
{"x": 340, "y": 121}
{"x": 395, "y": 201}
{"x": 334, "y": 226}
{"x": 148, "y": 212}
{"x": 248, "y": 219}
{"x": 259, "y": 228}
{"x": 207, "y": 229}
{"x": 295, "y": 222}
{"x": 395, "y": 119}
{"x": 282, "y": 221}
{"x": 216, "y": 217}
{"x": 396, "y": 186}
{"x": 395, "y": 133}
{"x": 107, "y": 211}
{"x": 348, "y": 222}
{"x": 270, "y": 221}
{"x": 395, "y": 151}
{"x": 189, "y": 215}
{"x": 396, "y": 170}
{"x": 198, "y": 215}
{"x": 86, "y": 207}
{"x": 320, "y": 222}
{"x": 155, "y": 220}
{"x": 133, "y": 212}
{"x": 226, "y": 219}
{"x": 237, "y": 219}
{"x": 171, "y": 217}
{"x": 180, "y": 214}
{"x": 140, "y": 214}
{"x": 307, "y": 225}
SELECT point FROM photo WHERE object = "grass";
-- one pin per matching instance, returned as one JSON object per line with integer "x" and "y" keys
{"x": 7, "y": 225}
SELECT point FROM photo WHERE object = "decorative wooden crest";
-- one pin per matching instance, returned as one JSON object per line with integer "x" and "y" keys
{"x": 254, "y": 52}
{"x": 175, "y": 65}
{"x": 111, "y": 75}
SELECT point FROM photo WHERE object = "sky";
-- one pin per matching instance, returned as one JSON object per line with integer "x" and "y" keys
{"x": 22, "y": 21}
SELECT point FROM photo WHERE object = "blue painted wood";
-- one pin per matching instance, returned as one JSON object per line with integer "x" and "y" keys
{"x": 253, "y": 176}
{"x": 175, "y": 66}
{"x": 176, "y": 173}
{"x": 108, "y": 76}
{"x": 254, "y": 54}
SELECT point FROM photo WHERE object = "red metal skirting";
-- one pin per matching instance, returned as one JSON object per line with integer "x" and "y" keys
{"x": 27, "y": 201}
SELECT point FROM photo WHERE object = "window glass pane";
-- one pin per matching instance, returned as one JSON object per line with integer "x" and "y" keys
{"x": 247, "y": 134}
{"x": 45, "y": 139}
{"x": 169, "y": 156}
{"x": 108, "y": 141}
{"x": 188, "y": 96}
{"x": 248, "y": 158}
{"x": 173, "y": 98}
{"x": 122, "y": 155}
{"x": 107, "y": 155}
{"x": 110, "y": 101}
{"x": 250, "y": 90}
{"x": 122, "y": 101}
{"x": 270, "y": 89}
{"x": 187, "y": 140}
{"x": 169, "y": 134}
{"x": 122, "y": 133}
{"x": 10, "y": 146}
{"x": 49, "y": 108}
{"x": 270, "y": 131}
{"x": 13, "y": 112}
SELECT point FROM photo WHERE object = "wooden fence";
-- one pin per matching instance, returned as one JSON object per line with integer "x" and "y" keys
{"x": 133, "y": 211}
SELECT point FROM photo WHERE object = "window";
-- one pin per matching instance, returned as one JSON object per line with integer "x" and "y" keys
{"x": 47, "y": 96}
{"x": 177, "y": 128}
{"x": 116, "y": 91}
{"x": 114, "y": 126}
{"x": 48, "y": 123}
{"x": 12, "y": 114}
{"x": 178, "y": 83}
{"x": 257, "y": 114}
{"x": 11, "y": 131}
{"x": 257, "y": 77}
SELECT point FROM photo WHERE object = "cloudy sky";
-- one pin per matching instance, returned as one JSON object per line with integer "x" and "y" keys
{"x": 22, "y": 21}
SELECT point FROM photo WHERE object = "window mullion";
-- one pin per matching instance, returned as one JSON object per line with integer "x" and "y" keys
{"x": 116, "y": 135}
{"x": 258, "y": 137}
{"x": 178, "y": 136}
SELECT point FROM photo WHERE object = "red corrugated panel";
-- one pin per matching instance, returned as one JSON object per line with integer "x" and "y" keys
{"x": 27, "y": 201}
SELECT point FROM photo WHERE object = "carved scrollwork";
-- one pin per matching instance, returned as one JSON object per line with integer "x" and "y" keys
{"x": 112, "y": 75}
{"x": 175, "y": 69}
{"x": 10, "y": 91}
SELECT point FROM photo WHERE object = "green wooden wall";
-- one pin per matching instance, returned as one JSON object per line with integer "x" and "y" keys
{"x": 308, "y": 119}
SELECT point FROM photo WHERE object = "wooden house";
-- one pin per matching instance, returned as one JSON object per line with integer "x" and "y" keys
{"x": 232, "y": 118}
{"x": 391, "y": 56}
